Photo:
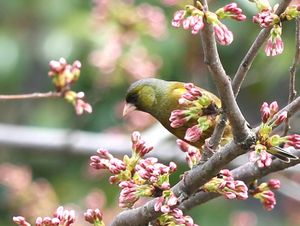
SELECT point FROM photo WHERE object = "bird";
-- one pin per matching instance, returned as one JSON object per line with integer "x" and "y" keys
{"x": 160, "y": 98}
{"x": 164, "y": 100}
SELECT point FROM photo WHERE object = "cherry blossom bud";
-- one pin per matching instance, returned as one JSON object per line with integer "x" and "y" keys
{"x": 232, "y": 11}
{"x": 19, "y": 220}
{"x": 264, "y": 18}
{"x": 265, "y": 112}
{"x": 281, "y": 118}
{"x": 177, "y": 118}
{"x": 173, "y": 167}
{"x": 264, "y": 159}
{"x": 178, "y": 18}
{"x": 82, "y": 106}
{"x": 227, "y": 186}
{"x": 267, "y": 197}
{"x": 275, "y": 47}
{"x": 166, "y": 202}
{"x": 104, "y": 153}
{"x": 223, "y": 35}
{"x": 93, "y": 216}
{"x": 138, "y": 145}
{"x": 192, "y": 92}
{"x": 193, "y": 154}
{"x": 193, "y": 134}
{"x": 274, "y": 44}
{"x": 294, "y": 140}
{"x": 116, "y": 166}
{"x": 274, "y": 107}
{"x": 227, "y": 173}
{"x": 274, "y": 184}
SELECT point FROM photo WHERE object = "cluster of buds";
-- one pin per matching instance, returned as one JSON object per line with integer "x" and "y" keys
{"x": 166, "y": 202}
{"x": 260, "y": 156}
{"x": 274, "y": 44}
{"x": 131, "y": 192}
{"x": 63, "y": 76}
{"x": 76, "y": 99}
{"x": 264, "y": 193}
{"x": 225, "y": 185}
{"x": 231, "y": 11}
{"x": 196, "y": 107}
{"x": 139, "y": 147}
{"x": 152, "y": 171}
{"x": 137, "y": 177}
{"x": 175, "y": 217}
{"x": 193, "y": 154}
{"x": 61, "y": 217}
{"x": 267, "y": 143}
{"x": 94, "y": 216}
{"x": 105, "y": 160}
{"x": 266, "y": 17}
{"x": 192, "y": 18}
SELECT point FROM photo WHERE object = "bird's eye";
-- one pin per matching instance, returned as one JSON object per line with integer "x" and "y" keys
{"x": 132, "y": 98}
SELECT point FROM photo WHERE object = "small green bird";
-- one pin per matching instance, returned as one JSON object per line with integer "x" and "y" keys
{"x": 188, "y": 112}
{"x": 161, "y": 99}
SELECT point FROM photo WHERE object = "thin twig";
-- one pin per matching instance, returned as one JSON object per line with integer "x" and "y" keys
{"x": 252, "y": 52}
{"x": 30, "y": 96}
{"x": 293, "y": 70}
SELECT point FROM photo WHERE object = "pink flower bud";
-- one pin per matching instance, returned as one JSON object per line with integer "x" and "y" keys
{"x": 281, "y": 118}
{"x": 178, "y": 18}
{"x": 76, "y": 64}
{"x": 274, "y": 184}
{"x": 226, "y": 173}
{"x": 177, "y": 118}
{"x": 93, "y": 215}
{"x": 165, "y": 209}
{"x": 294, "y": 140}
{"x": 19, "y": 220}
{"x": 275, "y": 47}
{"x": 172, "y": 167}
{"x": 265, "y": 159}
{"x": 264, "y": 18}
{"x": 193, "y": 134}
{"x": 274, "y": 107}
{"x": 230, "y": 7}
{"x": 223, "y": 35}
{"x": 265, "y": 112}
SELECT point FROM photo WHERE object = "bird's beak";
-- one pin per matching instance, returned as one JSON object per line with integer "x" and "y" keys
{"x": 128, "y": 108}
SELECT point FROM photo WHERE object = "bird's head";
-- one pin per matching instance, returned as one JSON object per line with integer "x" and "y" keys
{"x": 142, "y": 95}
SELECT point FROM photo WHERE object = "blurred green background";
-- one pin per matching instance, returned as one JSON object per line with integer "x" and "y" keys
{"x": 117, "y": 42}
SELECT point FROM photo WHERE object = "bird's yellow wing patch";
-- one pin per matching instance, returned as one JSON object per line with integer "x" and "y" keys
{"x": 177, "y": 92}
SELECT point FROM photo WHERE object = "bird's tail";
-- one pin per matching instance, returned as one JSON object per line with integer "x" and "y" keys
{"x": 282, "y": 154}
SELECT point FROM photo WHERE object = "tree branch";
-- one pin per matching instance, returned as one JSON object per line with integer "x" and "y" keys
{"x": 30, "y": 96}
{"x": 241, "y": 132}
{"x": 247, "y": 173}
